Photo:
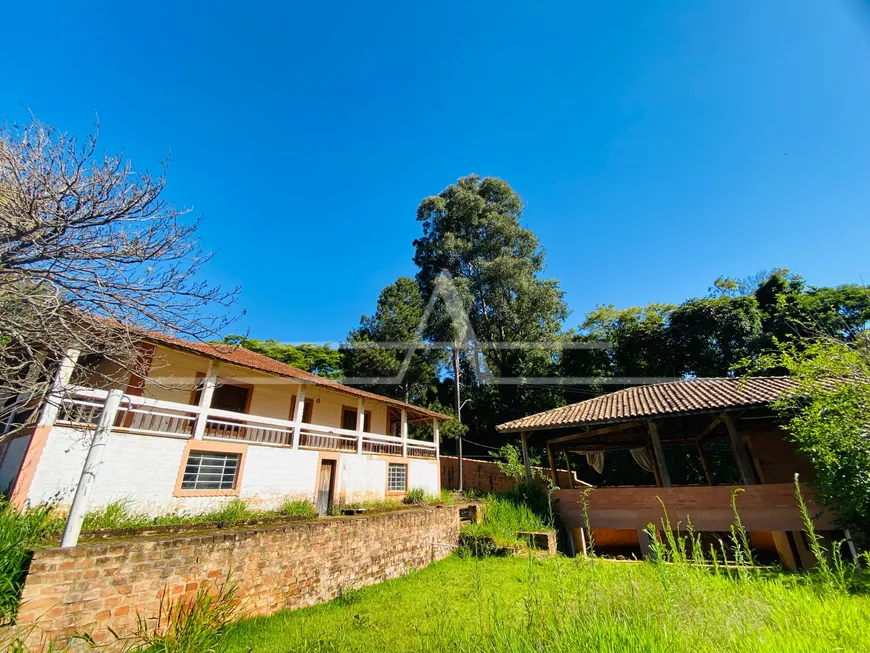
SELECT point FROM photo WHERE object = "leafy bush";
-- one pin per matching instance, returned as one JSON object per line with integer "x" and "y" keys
{"x": 19, "y": 531}
{"x": 297, "y": 508}
{"x": 415, "y": 496}
{"x": 118, "y": 514}
{"x": 191, "y": 626}
{"x": 524, "y": 508}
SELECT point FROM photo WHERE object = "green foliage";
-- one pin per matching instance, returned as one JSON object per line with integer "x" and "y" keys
{"x": 397, "y": 320}
{"x": 562, "y": 605}
{"x": 191, "y": 626}
{"x": 828, "y": 415}
{"x": 297, "y": 508}
{"x": 509, "y": 459}
{"x": 472, "y": 231}
{"x": 525, "y": 508}
{"x": 317, "y": 359}
{"x": 415, "y": 496}
{"x": 20, "y": 531}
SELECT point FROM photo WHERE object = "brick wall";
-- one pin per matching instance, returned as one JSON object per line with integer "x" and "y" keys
{"x": 485, "y": 476}
{"x": 93, "y": 587}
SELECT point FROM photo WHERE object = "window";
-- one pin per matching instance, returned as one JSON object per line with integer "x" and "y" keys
{"x": 348, "y": 419}
{"x": 209, "y": 470}
{"x": 397, "y": 477}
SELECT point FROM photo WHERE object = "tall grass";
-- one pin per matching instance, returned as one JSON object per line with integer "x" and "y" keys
{"x": 20, "y": 531}
{"x": 555, "y": 605}
{"x": 524, "y": 508}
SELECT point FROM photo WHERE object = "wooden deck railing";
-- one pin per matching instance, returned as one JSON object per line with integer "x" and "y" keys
{"x": 170, "y": 419}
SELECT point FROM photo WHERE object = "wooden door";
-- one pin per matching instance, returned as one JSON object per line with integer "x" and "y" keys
{"x": 325, "y": 481}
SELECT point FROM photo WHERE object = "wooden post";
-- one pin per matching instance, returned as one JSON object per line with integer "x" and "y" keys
{"x": 739, "y": 452}
{"x": 554, "y": 476}
{"x": 298, "y": 414}
{"x": 209, "y": 383}
{"x": 704, "y": 464}
{"x": 436, "y": 438}
{"x": 660, "y": 454}
{"x": 404, "y": 433}
{"x": 568, "y": 467}
{"x": 655, "y": 466}
{"x": 360, "y": 423}
{"x": 525, "y": 447}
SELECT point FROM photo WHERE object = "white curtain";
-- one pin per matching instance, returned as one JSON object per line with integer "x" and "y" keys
{"x": 595, "y": 459}
{"x": 641, "y": 457}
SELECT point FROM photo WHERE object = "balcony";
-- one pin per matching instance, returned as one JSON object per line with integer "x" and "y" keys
{"x": 143, "y": 416}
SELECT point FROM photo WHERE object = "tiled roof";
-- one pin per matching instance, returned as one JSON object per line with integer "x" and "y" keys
{"x": 255, "y": 361}
{"x": 686, "y": 396}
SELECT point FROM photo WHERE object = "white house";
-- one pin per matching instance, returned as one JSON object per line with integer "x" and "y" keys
{"x": 212, "y": 422}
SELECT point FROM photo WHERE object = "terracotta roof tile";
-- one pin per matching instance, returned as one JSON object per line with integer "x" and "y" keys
{"x": 686, "y": 396}
{"x": 255, "y": 361}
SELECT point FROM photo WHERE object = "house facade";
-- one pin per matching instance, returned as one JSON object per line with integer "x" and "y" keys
{"x": 208, "y": 423}
{"x": 685, "y": 446}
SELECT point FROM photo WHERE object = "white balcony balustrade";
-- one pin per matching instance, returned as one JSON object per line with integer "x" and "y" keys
{"x": 83, "y": 406}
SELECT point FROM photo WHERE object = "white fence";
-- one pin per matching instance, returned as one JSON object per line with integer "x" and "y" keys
{"x": 171, "y": 419}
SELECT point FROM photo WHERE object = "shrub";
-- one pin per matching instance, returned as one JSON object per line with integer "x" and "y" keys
{"x": 191, "y": 626}
{"x": 231, "y": 512}
{"x": 118, "y": 514}
{"x": 415, "y": 496}
{"x": 297, "y": 508}
{"x": 20, "y": 530}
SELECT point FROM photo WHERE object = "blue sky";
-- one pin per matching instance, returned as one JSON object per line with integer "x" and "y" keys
{"x": 657, "y": 144}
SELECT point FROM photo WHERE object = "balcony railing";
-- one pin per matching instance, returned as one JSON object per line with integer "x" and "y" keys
{"x": 170, "y": 419}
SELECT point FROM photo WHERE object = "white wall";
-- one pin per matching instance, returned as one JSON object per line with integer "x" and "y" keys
{"x": 12, "y": 460}
{"x": 273, "y": 473}
{"x": 361, "y": 478}
{"x": 424, "y": 474}
{"x": 143, "y": 469}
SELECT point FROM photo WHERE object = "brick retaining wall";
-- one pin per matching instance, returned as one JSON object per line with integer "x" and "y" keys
{"x": 93, "y": 587}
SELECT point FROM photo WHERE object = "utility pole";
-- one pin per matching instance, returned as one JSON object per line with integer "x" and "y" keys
{"x": 458, "y": 406}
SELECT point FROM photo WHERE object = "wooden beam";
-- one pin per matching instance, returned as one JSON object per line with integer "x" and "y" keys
{"x": 525, "y": 446}
{"x": 568, "y": 467}
{"x": 553, "y": 474}
{"x": 660, "y": 454}
{"x": 704, "y": 464}
{"x": 593, "y": 433}
{"x": 711, "y": 427}
{"x": 655, "y": 466}
{"x": 739, "y": 451}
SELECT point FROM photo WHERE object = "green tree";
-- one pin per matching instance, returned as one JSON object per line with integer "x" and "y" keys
{"x": 397, "y": 319}
{"x": 472, "y": 231}
{"x": 828, "y": 416}
{"x": 317, "y": 359}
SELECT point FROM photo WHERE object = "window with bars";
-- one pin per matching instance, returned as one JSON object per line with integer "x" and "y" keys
{"x": 210, "y": 470}
{"x": 397, "y": 477}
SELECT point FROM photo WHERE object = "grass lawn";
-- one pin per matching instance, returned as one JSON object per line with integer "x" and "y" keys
{"x": 561, "y": 604}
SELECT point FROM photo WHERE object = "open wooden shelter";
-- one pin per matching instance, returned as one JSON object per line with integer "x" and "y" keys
{"x": 675, "y": 421}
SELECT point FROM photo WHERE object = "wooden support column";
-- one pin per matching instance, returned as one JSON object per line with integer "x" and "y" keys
{"x": 739, "y": 451}
{"x": 404, "y": 433}
{"x": 655, "y": 466}
{"x": 704, "y": 464}
{"x": 298, "y": 414}
{"x": 660, "y": 454}
{"x": 360, "y": 423}
{"x": 554, "y": 476}
{"x": 568, "y": 467}
{"x": 525, "y": 447}
{"x": 209, "y": 383}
